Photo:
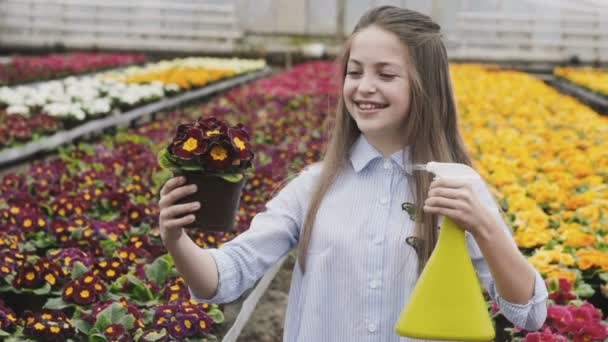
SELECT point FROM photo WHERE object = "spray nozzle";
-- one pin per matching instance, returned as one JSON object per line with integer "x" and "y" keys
{"x": 448, "y": 170}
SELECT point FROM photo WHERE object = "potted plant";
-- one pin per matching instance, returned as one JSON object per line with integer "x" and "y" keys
{"x": 216, "y": 157}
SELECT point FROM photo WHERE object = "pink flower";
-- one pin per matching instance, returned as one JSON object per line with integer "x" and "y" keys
{"x": 559, "y": 317}
{"x": 545, "y": 336}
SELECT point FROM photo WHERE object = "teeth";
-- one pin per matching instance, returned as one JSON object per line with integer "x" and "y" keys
{"x": 368, "y": 106}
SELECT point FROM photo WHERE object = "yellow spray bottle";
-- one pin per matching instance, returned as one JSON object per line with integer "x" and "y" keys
{"x": 447, "y": 302}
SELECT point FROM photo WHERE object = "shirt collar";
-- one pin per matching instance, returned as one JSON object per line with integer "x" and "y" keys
{"x": 362, "y": 152}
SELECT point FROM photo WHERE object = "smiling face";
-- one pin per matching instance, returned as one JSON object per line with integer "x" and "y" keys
{"x": 376, "y": 87}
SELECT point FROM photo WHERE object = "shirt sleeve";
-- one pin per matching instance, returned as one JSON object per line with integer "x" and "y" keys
{"x": 529, "y": 316}
{"x": 271, "y": 235}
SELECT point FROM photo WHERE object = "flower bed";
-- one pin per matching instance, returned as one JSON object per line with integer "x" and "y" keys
{"x": 28, "y": 112}
{"x": 594, "y": 80}
{"x": 23, "y": 69}
{"x": 91, "y": 252}
{"x": 546, "y": 156}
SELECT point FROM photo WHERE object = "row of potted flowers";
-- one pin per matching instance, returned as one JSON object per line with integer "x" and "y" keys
{"x": 545, "y": 155}
{"x": 595, "y": 80}
{"x": 80, "y": 232}
{"x": 21, "y": 69}
{"x": 27, "y": 112}
{"x": 188, "y": 72}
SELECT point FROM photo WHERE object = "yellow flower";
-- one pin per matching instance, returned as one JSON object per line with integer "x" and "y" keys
{"x": 579, "y": 239}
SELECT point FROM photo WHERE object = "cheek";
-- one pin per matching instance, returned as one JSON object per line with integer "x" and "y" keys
{"x": 348, "y": 89}
{"x": 399, "y": 96}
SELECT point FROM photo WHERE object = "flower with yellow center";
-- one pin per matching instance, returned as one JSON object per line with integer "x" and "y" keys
{"x": 219, "y": 153}
{"x": 50, "y": 278}
{"x": 190, "y": 145}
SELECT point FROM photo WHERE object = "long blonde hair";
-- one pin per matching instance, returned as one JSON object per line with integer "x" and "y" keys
{"x": 432, "y": 131}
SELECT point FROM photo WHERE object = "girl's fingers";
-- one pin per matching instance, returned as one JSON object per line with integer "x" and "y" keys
{"x": 444, "y": 203}
{"x": 450, "y": 183}
{"x": 178, "y": 223}
{"x": 452, "y": 193}
{"x": 175, "y": 194}
{"x": 172, "y": 184}
{"x": 179, "y": 210}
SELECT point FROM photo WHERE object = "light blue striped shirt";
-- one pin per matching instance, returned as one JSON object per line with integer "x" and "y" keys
{"x": 359, "y": 271}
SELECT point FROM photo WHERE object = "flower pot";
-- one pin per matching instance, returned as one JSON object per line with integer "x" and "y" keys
{"x": 219, "y": 201}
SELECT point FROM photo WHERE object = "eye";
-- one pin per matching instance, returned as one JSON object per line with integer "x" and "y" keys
{"x": 387, "y": 76}
{"x": 353, "y": 73}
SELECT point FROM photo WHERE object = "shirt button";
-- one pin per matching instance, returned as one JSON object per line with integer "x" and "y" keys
{"x": 378, "y": 241}
{"x": 373, "y": 284}
{"x": 387, "y": 164}
{"x": 372, "y": 327}
{"x": 384, "y": 200}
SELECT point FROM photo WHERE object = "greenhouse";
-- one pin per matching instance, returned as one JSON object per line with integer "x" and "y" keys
{"x": 273, "y": 170}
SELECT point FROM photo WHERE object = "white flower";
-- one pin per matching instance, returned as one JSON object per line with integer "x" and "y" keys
{"x": 99, "y": 106}
{"x": 16, "y": 109}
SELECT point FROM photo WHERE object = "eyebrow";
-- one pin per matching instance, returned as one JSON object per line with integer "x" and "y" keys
{"x": 380, "y": 64}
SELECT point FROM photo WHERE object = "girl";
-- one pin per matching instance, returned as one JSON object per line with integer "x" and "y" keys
{"x": 359, "y": 251}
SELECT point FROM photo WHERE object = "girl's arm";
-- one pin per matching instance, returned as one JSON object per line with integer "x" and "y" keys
{"x": 513, "y": 275}
{"x": 194, "y": 264}
{"x": 221, "y": 275}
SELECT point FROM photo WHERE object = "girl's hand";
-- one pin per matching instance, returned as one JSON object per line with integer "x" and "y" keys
{"x": 457, "y": 200}
{"x": 171, "y": 219}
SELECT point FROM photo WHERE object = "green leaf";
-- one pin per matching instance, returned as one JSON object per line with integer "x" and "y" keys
{"x": 78, "y": 270}
{"x": 158, "y": 271}
{"x": 155, "y": 336}
{"x": 110, "y": 315}
{"x": 116, "y": 286}
{"x": 161, "y": 177}
{"x": 46, "y": 289}
{"x": 76, "y": 234}
{"x": 233, "y": 178}
{"x": 55, "y": 304}
{"x": 82, "y": 325}
{"x": 4, "y": 333}
{"x": 140, "y": 291}
{"x": 164, "y": 161}
{"x": 604, "y": 277}
{"x": 216, "y": 315}
{"x": 148, "y": 316}
{"x": 127, "y": 321}
{"x": 190, "y": 168}
{"x": 584, "y": 290}
{"x": 138, "y": 334}
{"x": 97, "y": 338}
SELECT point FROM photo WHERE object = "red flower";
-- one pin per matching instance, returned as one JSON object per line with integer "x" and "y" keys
{"x": 219, "y": 156}
{"x": 85, "y": 294}
{"x": 564, "y": 294}
{"x": 192, "y": 144}
{"x": 212, "y": 127}
{"x": 114, "y": 331}
{"x": 240, "y": 142}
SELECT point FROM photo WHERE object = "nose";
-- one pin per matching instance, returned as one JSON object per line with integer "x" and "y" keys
{"x": 366, "y": 85}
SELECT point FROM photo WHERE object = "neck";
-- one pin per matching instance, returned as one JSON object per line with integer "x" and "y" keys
{"x": 385, "y": 145}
